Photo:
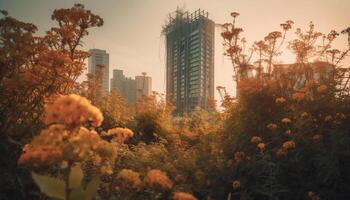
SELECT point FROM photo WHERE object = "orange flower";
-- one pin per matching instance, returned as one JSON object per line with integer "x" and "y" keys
{"x": 286, "y": 120}
{"x": 304, "y": 114}
{"x": 261, "y": 146}
{"x": 255, "y": 139}
{"x": 340, "y": 115}
{"x": 41, "y": 156}
{"x": 158, "y": 179}
{"x": 317, "y": 137}
{"x": 183, "y": 196}
{"x": 288, "y": 132}
{"x": 120, "y": 135}
{"x": 288, "y": 145}
{"x": 271, "y": 126}
{"x": 298, "y": 96}
{"x": 280, "y": 100}
{"x": 239, "y": 156}
{"x": 129, "y": 179}
{"x": 328, "y": 118}
{"x": 322, "y": 89}
{"x": 236, "y": 184}
{"x": 281, "y": 152}
{"x": 72, "y": 110}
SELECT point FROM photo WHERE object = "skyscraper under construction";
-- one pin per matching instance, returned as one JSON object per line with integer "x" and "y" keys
{"x": 190, "y": 60}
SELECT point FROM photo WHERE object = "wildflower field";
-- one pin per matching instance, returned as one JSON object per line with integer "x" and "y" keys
{"x": 285, "y": 136}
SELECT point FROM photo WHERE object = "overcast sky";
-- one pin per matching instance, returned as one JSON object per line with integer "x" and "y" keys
{"x": 132, "y": 30}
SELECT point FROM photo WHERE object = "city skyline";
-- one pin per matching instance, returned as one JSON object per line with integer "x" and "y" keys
{"x": 122, "y": 38}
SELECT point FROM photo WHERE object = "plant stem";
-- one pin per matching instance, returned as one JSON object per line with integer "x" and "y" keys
{"x": 67, "y": 181}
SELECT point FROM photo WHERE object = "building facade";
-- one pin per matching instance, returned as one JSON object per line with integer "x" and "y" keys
{"x": 99, "y": 63}
{"x": 125, "y": 86}
{"x": 297, "y": 74}
{"x": 143, "y": 85}
{"x": 189, "y": 60}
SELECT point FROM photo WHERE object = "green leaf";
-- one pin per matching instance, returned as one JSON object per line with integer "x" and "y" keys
{"x": 77, "y": 194}
{"x": 92, "y": 188}
{"x": 50, "y": 186}
{"x": 75, "y": 177}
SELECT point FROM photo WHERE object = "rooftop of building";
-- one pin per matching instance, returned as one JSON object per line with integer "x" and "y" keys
{"x": 181, "y": 16}
{"x": 98, "y": 50}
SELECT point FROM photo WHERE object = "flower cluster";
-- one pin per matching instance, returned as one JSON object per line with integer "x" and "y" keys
{"x": 236, "y": 184}
{"x": 41, "y": 156}
{"x": 298, "y": 96}
{"x": 288, "y": 145}
{"x": 158, "y": 179}
{"x": 261, "y": 146}
{"x": 129, "y": 179}
{"x": 280, "y": 100}
{"x": 183, "y": 196}
{"x": 255, "y": 139}
{"x": 119, "y": 135}
{"x": 76, "y": 145}
{"x": 86, "y": 144}
{"x": 271, "y": 126}
{"x": 239, "y": 156}
{"x": 286, "y": 120}
{"x": 73, "y": 111}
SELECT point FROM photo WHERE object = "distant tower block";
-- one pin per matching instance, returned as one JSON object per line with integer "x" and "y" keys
{"x": 143, "y": 85}
{"x": 99, "y": 60}
{"x": 189, "y": 60}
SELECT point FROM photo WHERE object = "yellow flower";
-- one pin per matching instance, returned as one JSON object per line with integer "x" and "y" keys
{"x": 255, "y": 139}
{"x": 72, "y": 110}
{"x": 183, "y": 196}
{"x": 271, "y": 126}
{"x": 120, "y": 135}
{"x": 322, "y": 89}
{"x": 286, "y": 120}
{"x": 158, "y": 179}
{"x": 236, "y": 184}
{"x": 129, "y": 179}
{"x": 106, "y": 169}
{"x": 41, "y": 155}
{"x": 261, "y": 146}
{"x": 280, "y": 100}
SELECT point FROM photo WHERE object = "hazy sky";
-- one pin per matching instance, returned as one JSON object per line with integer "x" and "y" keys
{"x": 132, "y": 30}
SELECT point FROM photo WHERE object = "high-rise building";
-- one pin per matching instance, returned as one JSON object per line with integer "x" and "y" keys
{"x": 99, "y": 62}
{"x": 125, "y": 86}
{"x": 190, "y": 60}
{"x": 143, "y": 85}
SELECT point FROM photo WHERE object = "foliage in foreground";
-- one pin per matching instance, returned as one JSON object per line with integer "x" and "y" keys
{"x": 282, "y": 138}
